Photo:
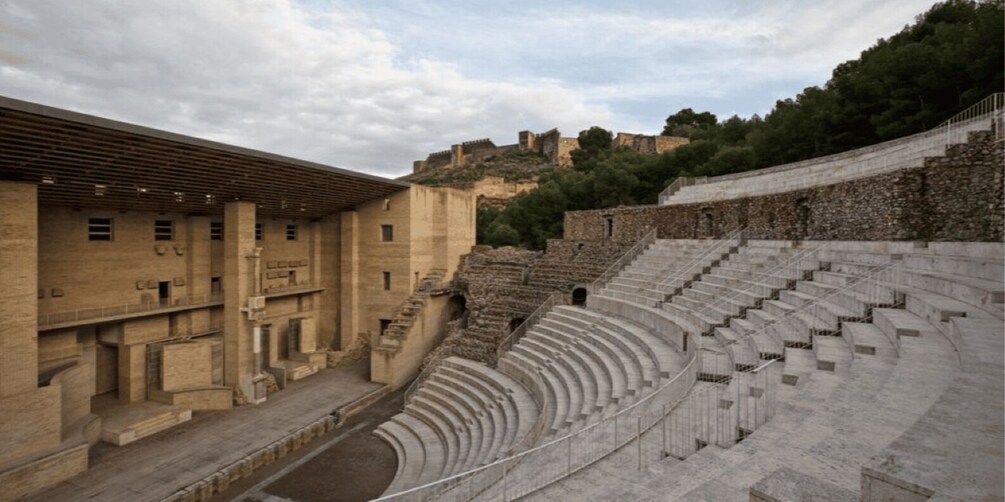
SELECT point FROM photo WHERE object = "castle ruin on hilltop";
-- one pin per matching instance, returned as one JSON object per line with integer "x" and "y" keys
{"x": 550, "y": 143}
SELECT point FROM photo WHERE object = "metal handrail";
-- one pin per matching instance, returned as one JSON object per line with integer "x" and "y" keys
{"x": 688, "y": 376}
{"x": 813, "y": 308}
{"x": 514, "y": 336}
{"x": 84, "y": 314}
{"x": 894, "y": 154}
{"x": 734, "y": 235}
{"x": 627, "y": 257}
{"x": 754, "y": 283}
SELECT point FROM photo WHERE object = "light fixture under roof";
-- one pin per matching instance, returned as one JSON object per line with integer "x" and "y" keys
{"x": 179, "y": 196}
{"x": 48, "y": 180}
{"x": 99, "y": 190}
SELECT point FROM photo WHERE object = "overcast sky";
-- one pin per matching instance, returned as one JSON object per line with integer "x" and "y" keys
{"x": 373, "y": 85}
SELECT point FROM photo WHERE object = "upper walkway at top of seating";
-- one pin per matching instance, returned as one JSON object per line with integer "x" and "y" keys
{"x": 906, "y": 152}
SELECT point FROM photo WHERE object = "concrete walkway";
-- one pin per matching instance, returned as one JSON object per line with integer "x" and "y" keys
{"x": 157, "y": 466}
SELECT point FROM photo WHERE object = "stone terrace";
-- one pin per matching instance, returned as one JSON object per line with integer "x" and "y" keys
{"x": 156, "y": 467}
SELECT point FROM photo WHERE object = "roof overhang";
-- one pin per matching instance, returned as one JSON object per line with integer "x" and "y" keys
{"x": 80, "y": 160}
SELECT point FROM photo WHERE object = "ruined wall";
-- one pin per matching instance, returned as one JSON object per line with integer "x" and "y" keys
{"x": 649, "y": 145}
{"x": 495, "y": 187}
{"x": 956, "y": 197}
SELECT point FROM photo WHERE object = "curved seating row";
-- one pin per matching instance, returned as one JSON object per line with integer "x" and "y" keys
{"x": 464, "y": 416}
{"x": 909, "y": 370}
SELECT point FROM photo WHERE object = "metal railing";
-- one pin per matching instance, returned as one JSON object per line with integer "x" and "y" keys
{"x": 626, "y": 258}
{"x": 676, "y": 420}
{"x": 681, "y": 182}
{"x": 85, "y": 314}
{"x": 733, "y": 237}
{"x": 531, "y": 470}
{"x": 759, "y": 287}
{"x": 511, "y": 339}
{"x": 876, "y": 286}
{"x": 906, "y": 152}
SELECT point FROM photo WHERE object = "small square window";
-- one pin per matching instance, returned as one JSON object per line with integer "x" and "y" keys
{"x": 291, "y": 232}
{"x": 387, "y": 281}
{"x": 163, "y": 230}
{"x": 99, "y": 229}
{"x": 216, "y": 231}
{"x": 387, "y": 233}
{"x": 258, "y": 231}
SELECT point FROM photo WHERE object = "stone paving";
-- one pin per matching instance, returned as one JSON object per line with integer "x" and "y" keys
{"x": 157, "y": 466}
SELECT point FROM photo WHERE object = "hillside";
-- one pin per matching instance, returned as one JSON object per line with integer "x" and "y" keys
{"x": 494, "y": 180}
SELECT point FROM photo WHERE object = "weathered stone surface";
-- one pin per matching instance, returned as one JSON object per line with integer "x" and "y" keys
{"x": 957, "y": 197}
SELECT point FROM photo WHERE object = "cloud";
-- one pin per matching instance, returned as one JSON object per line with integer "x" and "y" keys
{"x": 374, "y": 85}
{"x": 317, "y": 85}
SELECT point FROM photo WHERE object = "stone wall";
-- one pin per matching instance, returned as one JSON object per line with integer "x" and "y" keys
{"x": 186, "y": 365}
{"x": 955, "y": 197}
{"x": 649, "y": 145}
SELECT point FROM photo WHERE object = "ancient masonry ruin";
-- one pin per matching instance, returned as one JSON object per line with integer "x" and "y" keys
{"x": 550, "y": 143}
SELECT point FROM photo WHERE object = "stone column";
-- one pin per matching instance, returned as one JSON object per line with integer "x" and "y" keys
{"x": 329, "y": 278}
{"x": 18, "y": 288}
{"x": 239, "y": 246}
{"x": 29, "y": 416}
{"x": 198, "y": 261}
{"x": 350, "y": 287}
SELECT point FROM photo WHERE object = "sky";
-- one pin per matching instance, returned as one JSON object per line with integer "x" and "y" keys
{"x": 374, "y": 85}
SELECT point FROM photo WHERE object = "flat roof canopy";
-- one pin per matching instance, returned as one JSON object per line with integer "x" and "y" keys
{"x": 82, "y": 161}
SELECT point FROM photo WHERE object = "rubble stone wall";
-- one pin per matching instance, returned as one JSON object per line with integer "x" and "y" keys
{"x": 957, "y": 197}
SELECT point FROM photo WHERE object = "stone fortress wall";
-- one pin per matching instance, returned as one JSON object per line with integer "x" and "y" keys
{"x": 551, "y": 143}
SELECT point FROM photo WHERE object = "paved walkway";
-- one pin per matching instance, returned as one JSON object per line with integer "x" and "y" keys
{"x": 157, "y": 466}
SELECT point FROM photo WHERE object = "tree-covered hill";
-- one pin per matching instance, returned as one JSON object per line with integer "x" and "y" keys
{"x": 950, "y": 58}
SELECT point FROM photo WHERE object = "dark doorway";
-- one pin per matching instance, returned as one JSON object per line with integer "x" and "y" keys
{"x": 579, "y": 296}
{"x": 384, "y": 325}
{"x": 266, "y": 346}
{"x": 514, "y": 324}
{"x": 802, "y": 219}
{"x": 456, "y": 307}
{"x": 293, "y": 278}
{"x": 164, "y": 293}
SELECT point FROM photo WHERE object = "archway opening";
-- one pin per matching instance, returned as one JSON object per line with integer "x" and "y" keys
{"x": 456, "y": 306}
{"x": 579, "y": 296}
{"x": 514, "y": 324}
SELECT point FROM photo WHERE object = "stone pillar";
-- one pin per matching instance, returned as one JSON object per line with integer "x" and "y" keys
{"x": 350, "y": 287}
{"x": 239, "y": 246}
{"x": 18, "y": 288}
{"x": 329, "y": 278}
{"x": 29, "y": 417}
{"x": 198, "y": 261}
{"x": 314, "y": 260}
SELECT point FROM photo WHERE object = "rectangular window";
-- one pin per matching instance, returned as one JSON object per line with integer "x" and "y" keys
{"x": 215, "y": 286}
{"x": 216, "y": 230}
{"x": 387, "y": 281}
{"x": 608, "y": 227}
{"x": 99, "y": 229}
{"x": 163, "y": 230}
{"x": 258, "y": 231}
{"x": 384, "y": 324}
{"x": 387, "y": 233}
{"x": 291, "y": 232}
